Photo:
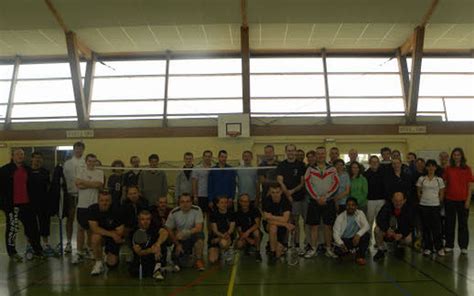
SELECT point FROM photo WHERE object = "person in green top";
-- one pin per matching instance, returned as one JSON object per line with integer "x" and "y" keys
{"x": 359, "y": 186}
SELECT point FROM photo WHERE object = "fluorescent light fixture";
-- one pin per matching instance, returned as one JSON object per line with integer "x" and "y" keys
{"x": 64, "y": 148}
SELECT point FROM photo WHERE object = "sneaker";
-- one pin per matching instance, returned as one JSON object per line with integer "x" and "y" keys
{"x": 176, "y": 268}
{"x": 157, "y": 275}
{"x": 258, "y": 257}
{"x": 200, "y": 265}
{"x": 330, "y": 254}
{"x": 17, "y": 258}
{"x": 302, "y": 251}
{"x": 228, "y": 256}
{"x": 78, "y": 258}
{"x": 426, "y": 252}
{"x": 48, "y": 251}
{"x": 98, "y": 268}
{"x": 441, "y": 253}
{"x": 361, "y": 261}
{"x": 448, "y": 250}
{"x": 464, "y": 251}
{"x": 68, "y": 248}
{"x": 88, "y": 254}
{"x": 310, "y": 253}
{"x": 379, "y": 255}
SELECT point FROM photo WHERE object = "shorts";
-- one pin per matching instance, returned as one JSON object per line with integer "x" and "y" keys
{"x": 211, "y": 244}
{"x": 111, "y": 247}
{"x": 299, "y": 208}
{"x": 317, "y": 212}
{"x": 282, "y": 233}
{"x": 82, "y": 217}
{"x": 188, "y": 244}
{"x": 70, "y": 202}
{"x": 203, "y": 203}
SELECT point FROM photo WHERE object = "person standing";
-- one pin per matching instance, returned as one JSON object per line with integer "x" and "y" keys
{"x": 183, "y": 179}
{"x": 333, "y": 155}
{"x": 431, "y": 193}
{"x": 267, "y": 176}
{"x": 290, "y": 175}
{"x": 376, "y": 192}
{"x": 153, "y": 183}
{"x": 115, "y": 183}
{"x": 130, "y": 178}
{"x": 70, "y": 170}
{"x": 200, "y": 179}
{"x": 247, "y": 179}
{"x": 458, "y": 176}
{"x": 344, "y": 188}
{"x": 15, "y": 197}
{"x": 221, "y": 181}
{"x": 41, "y": 199}
{"x": 359, "y": 186}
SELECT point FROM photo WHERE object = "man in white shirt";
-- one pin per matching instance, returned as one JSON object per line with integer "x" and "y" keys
{"x": 88, "y": 182}
{"x": 351, "y": 232}
{"x": 70, "y": 169}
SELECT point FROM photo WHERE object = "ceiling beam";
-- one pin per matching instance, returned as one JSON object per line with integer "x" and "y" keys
{"x": 404, "y": 77}
{"x": 413, "y": 90}
{"x": 165, "y": 95}
{"x": 245, "y": 56}
{"x": 85, "y": 51}
{"x": 89, "y": 82}
{"x": 409, "y": 44}
{"x": 11, "y": 95}
{"x": 79, "y": 97}
{"x": 326, "y": 86}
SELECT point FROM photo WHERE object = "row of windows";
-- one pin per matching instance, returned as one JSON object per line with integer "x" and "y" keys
{"x": 207, "y": 87}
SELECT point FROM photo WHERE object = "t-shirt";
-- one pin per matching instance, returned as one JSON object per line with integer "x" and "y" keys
{"x": 88, "y": 197}
{"x": 269, "y": 174}
{"x": 114, "y": 183}
{"x": 292, "y": 172}
{"x": 180, "y": 220}
{"x": 20, "y": 189}
{"x": 375, "y": 181}
{"x": 344, "y": 181}
{"x": 246, "y": 220}
{"x": 39, "y": 182}
{"x": 130, "y": 178}
{"x": 159, "y": 220}
{"x": 457, "y": 180}
{"x": 247, "y": 182}
{"x": 351, "y": 228}
{"x": 108, "y": 220}
{"x": 202, "y": 178}
{"x": 430, "y": 190}
{"x": 222, "y": 220}
{"x": 276, "y": 209}
{"x": 71, "y": 169}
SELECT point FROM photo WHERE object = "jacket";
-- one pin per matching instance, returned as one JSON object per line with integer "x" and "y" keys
{"x": 341, "y": 224}
{"x": 404, "y": 222}
{"x": 6, "y": 185}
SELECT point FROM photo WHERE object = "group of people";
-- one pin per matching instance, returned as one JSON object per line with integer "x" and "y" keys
{"x": 306, "y": 202}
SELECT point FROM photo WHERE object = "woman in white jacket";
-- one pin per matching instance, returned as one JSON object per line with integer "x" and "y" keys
{"x": 351, "y": 232}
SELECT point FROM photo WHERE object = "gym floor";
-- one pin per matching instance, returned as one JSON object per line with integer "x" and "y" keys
{"x": 411, "y": 275}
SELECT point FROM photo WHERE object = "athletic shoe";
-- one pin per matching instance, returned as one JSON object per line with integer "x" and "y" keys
{"x": 200, "y": 265}
{"x": 361, "y": 261}
{"x": 68, "y": 248}
{"x": 426, "y": 252}
{"x": 310, "y": 253}
{"x": 302, "y": 251}
{"x": 448, "y": 250}
{"x": 17, "y": 258}
{"x": 258, "y": 257}
{"x": 464, "y": 251}
{"x": 176, "y": 268}
{"x": 48, "y": 251}
{"x": 157, "y": 275}
{"x": 441, "y": 253}
{"x": 88, "y": 254}
{"x": 98, "y": 268}
{"x": 330, "y": 254}
{"x": 228, "y": 256}
{"x": 417, "y": 245}
{"x": 379, "y": 255}
{"x": 78, "y": 258}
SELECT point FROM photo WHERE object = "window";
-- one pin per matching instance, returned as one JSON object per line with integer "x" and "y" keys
{"x": 276, "y": 106}
{"x": 196, "y": 107}
{"x": 373, "y": 65}
{"x": 205, "y": 87}
{"x": 286, "y": 65}
{"x": 139, "y": 108}
{"x": 124, "y": 68}
{"x": 44, "y": 91}
{"x": 136, "y": 88}
{"x": 447, "y": 85}
{"x": 6, "y": 71}
{"x": 39, "y": 111}
{"x": 460, "y": 109}
{"x": 4, "y": 91}
{"x": 206, "y": 66}
{"x": 367, "y": 105}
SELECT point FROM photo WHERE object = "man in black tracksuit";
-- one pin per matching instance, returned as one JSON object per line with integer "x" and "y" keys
{"x": 15, "y": 193}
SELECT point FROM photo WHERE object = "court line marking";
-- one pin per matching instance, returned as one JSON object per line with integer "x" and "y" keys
{"x": 195, "y": 282}
{"x": 230, "y": 287}
{"x": 452, "y": 269}
{"x": 427, "y": 275}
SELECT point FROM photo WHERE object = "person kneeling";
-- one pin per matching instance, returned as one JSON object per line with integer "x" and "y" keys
{"x": 394, "y": 223}
{"x": 107, "y": 227}
{"x": 351, "y": 232}
{"x": 184, "y": 225}
{"x": 247, "y": 221}
{"x": 222, "y": 231}
{"x": 276, "y": 212}
{"x": 149, "y": 250}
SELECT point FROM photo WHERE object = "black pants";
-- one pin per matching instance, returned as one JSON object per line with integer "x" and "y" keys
{"x": 43, "y": 220}
{"x": 453, "y": 209}
{"x": 148, "y": 263}
{"x": 361, "y": 249}
{"x": 26, "y": 215}
{"x": 431, "y": 221}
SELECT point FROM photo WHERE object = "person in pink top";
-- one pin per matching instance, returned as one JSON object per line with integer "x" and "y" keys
{"x": 457, "y": 176}
{"x": 15, "y": 192}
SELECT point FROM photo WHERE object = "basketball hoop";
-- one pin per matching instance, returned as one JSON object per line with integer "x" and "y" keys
{"x": 233, "y": 134}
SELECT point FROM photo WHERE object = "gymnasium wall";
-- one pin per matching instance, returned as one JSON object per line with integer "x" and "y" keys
{"x": 172, "y": 149}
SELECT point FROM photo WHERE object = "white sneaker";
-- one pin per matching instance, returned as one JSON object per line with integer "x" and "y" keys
{"x": 426, "y": 252}
{"x": 441, "y": 253}
{"x": 330, "y": 253}
{"x": 98, "y": 268}
{"x": 157, "y": 275}
{"x": 310, "y": 253}
{"x": 448, "y": 250}
{"x": 464, "y": 251}
{"x": 68, "y": 248}
{"x": 77, "y": 258}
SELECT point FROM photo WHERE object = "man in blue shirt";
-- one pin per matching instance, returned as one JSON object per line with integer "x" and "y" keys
{"x": 221, "y": 182}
